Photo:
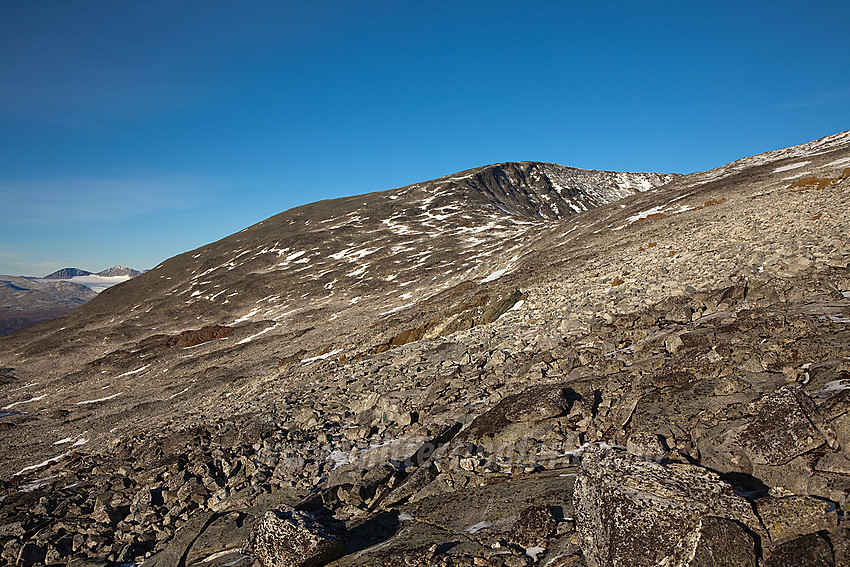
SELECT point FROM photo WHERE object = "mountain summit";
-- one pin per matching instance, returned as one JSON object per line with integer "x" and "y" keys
{"x": 66, "y": 274}
{"x": 382, "y": 370}
{"x": 118, "y": 271}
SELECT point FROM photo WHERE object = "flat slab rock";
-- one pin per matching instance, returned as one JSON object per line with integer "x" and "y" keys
{"x": 787, "y": 425}
{"x": 634, "y": 512}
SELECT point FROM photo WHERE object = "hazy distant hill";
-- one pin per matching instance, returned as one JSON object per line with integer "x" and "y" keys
{"x": 118, "y": 271}
{"x": 66, "y": 274}
{"x": 26, "y": 301}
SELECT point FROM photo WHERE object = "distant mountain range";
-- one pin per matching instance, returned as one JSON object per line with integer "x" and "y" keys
{"x": 27, "y": 301}
{"x": 68, "y": 273}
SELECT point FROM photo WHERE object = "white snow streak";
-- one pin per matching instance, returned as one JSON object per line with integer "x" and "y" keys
{"x": 25, "y": 401}
{"x": 254, "y": 336}
{"x": 134, "y": 371}
{"x": 99, "y": 399}
{"x": 791, "y": 166}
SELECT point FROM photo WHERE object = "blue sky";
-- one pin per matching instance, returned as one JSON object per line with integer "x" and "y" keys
{"x": 134, "y": 131}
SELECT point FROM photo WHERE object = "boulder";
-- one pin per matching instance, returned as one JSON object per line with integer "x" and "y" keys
{"x": 787, "y": 425}
{"x": 534, "y": 525}
{"x": 537, "y": 403}
{"x": 808, "y": 550}
{"x": 287, "y": 537}
{"x": 791, "y": 516}
{"x": 634, "y": 512}
{"x": 723, "y": 542}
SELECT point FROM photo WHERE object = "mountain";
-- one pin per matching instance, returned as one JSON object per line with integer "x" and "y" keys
{"x": 512, "y": 364}
{"x": 66, "y": 274}
{"x": 118, "y": 271}
{"x": 25, "y": 302}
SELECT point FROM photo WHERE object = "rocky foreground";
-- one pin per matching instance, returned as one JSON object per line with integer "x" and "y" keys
{"x": 670, "y": 388}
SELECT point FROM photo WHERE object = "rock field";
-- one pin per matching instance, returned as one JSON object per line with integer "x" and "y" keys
{"x": 522, "y": 364}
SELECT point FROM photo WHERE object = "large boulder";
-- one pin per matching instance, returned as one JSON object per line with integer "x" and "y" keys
{"x": 787, "y": 425}
{"x": 286, "y": 537}
{"x": 809, "y": 550}
{"x": 634, "y": 512}
{"x": 791, "y": 516}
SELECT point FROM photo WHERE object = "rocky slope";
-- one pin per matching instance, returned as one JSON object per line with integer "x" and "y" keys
{"x": 499, "y": 367}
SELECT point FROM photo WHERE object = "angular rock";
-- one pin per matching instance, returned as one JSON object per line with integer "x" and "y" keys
{"x": 809, "y": 551}
{"x": 533, "y": 526}
{"x": 791, "y": 516}
{"x": 723, "y": 542}
{"x": 634, "y": 512}
{"x": 787, "y": 425}
{"x": 537, "y": 403}
{"x": 646, "y": 444}
{"x": 840, "y": 540}
{"x": 286, "y": 537}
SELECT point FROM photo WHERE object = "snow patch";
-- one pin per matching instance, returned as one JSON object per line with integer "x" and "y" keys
{"x": 478, "y": 527}
{"x": 36, "y": 484}
{"x": 134, "y": 371}
{"x": 183, "y": 391}
{"x": 339, "y": 458}
{"x": 841, "y": 161}
{"x": 791, "y": 166}
{"x": 41, "y": 397}
{"x": 42, "y": 464}
{"x": 255, "y": 335}
{"x": 834, "y": 386}
{"x": 320, "y": 357}
{"x": 495, "y": 275}
{"x": 99, "y": 399}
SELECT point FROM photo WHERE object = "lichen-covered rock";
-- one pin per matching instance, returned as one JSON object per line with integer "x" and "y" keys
{"x": 533, "y": 526}
{"x": 633, "y": 512}
{"x": 787, "y": 425}
{"x": 291, "y": 538}
{"x": 808, "y": 550}
{"x": 840, "y": 540}
{"x": 537, "y": 403}
{"x": 723, "y": 542}
{"x": 791, "y": 516}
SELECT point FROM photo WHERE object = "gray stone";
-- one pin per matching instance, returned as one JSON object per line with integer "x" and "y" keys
{"x": 791, "y": 516}
{"x": 286, "y": 537}
{"x": 534, "y": 525}
{"x": 805, "y": 551}
{"x": 840, "y": 540}
{"x": 634, "y": 512}
{"x": 787, "y": 425}
{"x": 538, "y": 403}
{"x": 723, "y": 542}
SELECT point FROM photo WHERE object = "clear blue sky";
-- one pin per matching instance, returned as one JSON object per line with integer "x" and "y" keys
{"x": 133, "y": 131}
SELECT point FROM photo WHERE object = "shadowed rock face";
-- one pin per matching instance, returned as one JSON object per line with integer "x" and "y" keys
{"x": 429, "y": 365}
